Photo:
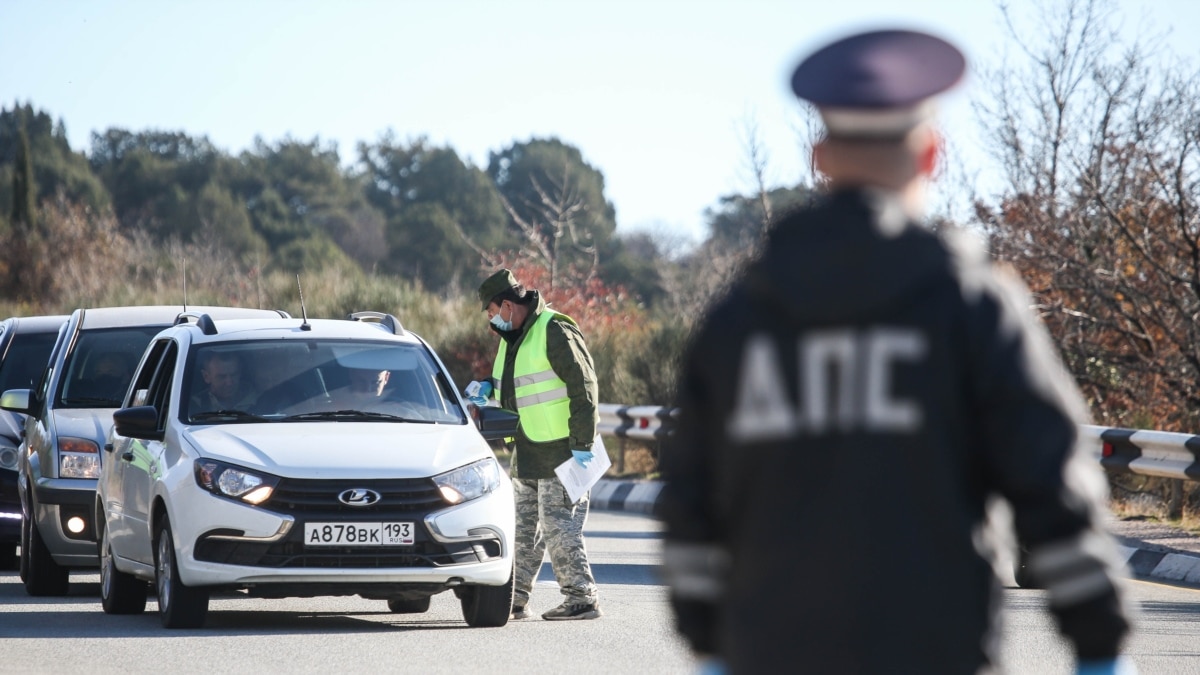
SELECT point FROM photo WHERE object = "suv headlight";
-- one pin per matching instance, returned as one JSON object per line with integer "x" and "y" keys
{"x": 469, "y": 482}
{"x": 78, "y": 458}
{"x": 227, "y": 480}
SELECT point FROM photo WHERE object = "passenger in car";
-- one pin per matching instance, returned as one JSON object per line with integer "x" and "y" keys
{"x": 222, "y": 374}
{"x": 363, "y": 389}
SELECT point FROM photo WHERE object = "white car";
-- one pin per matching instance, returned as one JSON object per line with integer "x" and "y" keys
{"x": 343, "y": 462}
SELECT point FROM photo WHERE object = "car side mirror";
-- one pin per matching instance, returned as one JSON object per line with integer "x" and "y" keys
{"x": 495, "y": 423}
{"x": 138, "y": 422}
{"x": 15, "y": 400}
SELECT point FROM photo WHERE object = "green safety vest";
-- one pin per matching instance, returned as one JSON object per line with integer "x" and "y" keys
{"x": 541, "y": 394}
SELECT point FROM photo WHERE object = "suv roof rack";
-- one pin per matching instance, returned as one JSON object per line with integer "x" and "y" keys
{"x": 387, "y": 320}
{"x": 203, "y": 321}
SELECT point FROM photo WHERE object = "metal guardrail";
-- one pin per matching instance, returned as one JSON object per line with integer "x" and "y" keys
{"x": 1147, "y": 452}
{"x": 1141, "y": 451}
{"x": 645, "y": 422}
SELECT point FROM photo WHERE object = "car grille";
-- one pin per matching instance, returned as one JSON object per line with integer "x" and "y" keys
{"x": 312, "y": 497}
{"x": 317, "y": 500}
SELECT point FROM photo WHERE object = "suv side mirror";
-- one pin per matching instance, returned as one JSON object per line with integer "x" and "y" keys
{"x": 15, "y": 400}
{"x": 495, "y": 423}
{"x": 138, "y": 422}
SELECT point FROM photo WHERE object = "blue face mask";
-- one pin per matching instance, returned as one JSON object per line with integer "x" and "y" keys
{"x": 500, "y": 323}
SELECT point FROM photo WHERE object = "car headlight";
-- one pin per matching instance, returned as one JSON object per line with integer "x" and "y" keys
{"x": 469, "y": 482}
{"x": 235, "y": 482}
{"x": 78, "y": 458}
{"x": 8, "y": 456}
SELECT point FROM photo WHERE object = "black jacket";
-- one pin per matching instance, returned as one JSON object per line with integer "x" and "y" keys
{"x": 846, "y": 411}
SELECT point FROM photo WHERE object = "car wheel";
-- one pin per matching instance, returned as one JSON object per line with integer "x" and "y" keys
{"x": 120, "y": 593}
{"x": 179, "y": 606}
{"x": 8, "y": 556}
{"x": 419, "y": 606}
{"x": 487, "y": 606}
{"x": 42, "y": 576}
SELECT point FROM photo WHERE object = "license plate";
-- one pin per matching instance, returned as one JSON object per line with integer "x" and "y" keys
{"x": 358, "y": 534}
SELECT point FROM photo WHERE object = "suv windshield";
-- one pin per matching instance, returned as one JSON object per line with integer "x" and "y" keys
{"x": 99, "y": 368}
{"x": 26, "y": 359}
{"x": 315, "y": 380}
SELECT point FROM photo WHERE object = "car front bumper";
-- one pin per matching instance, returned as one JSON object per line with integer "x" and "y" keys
{"x": 226, "y": 543}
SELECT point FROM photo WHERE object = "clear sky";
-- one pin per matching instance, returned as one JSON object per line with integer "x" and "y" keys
{"x": 657, "y": 94}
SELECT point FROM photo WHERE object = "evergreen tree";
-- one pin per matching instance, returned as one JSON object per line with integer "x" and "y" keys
{"x": 24, "y": 207}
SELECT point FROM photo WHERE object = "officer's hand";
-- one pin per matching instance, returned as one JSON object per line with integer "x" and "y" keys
{"x": 584, "y": 457}
{"x": 478, "y": 393}
{"x": 1122, "y": 665}
{"x": 477, "y": 388}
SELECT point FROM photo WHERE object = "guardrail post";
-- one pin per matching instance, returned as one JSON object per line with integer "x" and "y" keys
{"x": 1175, "y": 502}
{"x": 621, "y": 456}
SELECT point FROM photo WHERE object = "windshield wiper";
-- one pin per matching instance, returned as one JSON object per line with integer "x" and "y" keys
{"x": 350, "y": 416}
{"x": 230, "y": 415}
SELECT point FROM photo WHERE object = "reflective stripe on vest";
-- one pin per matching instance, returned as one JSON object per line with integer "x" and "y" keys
{"x": 541, "y": 394}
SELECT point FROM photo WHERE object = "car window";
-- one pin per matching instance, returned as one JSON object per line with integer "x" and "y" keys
{"x": 97, "y": 372}
{"x": 230, "y": 382}
{"x": 25, "y": 360}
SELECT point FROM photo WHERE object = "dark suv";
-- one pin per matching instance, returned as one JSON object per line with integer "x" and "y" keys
{"x": 25, "y": 344}
{"x": 69, "y": 414}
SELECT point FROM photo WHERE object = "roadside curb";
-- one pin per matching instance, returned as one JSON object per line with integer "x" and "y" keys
{"x": 639, "y": 496}
{"x": 1167, "y": 566}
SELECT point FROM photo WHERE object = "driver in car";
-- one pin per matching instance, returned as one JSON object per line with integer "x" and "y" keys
{"x": 222, "y": 373}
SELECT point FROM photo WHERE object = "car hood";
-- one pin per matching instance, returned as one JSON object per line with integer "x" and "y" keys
{"x": 90, "y": 423}
{"x": 336, "y": 450}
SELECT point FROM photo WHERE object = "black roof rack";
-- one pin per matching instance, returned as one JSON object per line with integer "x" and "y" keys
{"x": 203, "y": 321}
{"x": 388, "y": 320}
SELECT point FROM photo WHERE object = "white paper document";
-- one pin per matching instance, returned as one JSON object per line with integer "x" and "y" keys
{"x": 577, "y": 479}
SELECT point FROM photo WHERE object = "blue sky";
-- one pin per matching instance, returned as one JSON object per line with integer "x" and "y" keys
{"x": 656, "y": 93}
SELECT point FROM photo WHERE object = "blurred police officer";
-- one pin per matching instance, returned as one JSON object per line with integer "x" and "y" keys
{"x": 544, "y": 371}
{"x": 849, "y": 407}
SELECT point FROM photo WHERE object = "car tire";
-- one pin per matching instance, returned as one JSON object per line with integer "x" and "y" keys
{"x": 8, "y": 556}
{"x": 419, "y": 606}
{"x": 487, "y": 606}
{"x": 179, "y": 606}
{"x": 42, "y": 576}
{"x": 120, "y": 593}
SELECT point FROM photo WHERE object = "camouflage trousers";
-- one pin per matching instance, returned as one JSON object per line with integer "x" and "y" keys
{"x": 548, "y": 521}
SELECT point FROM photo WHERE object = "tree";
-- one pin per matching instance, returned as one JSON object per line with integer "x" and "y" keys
{"x": 55, "y": 167}
{"x": 440, "y": 211}
{"x": 555, "y": 201}
{"x": 24, "y": 203}
{"x": 1099, "y": 209}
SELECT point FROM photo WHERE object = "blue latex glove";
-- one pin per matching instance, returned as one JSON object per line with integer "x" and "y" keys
{"x": 1122, "y": 665}
{"x": 478, "y": 393}
{"x": 584, "y": 457}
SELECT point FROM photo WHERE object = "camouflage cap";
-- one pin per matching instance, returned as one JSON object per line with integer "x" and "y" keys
{"x": 495, "y": 285}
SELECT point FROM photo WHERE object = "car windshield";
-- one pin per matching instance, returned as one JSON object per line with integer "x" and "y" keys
{"x": 321, "y": 380}
{"x": 100, "y": 366}
{"x": 25, "y": 360}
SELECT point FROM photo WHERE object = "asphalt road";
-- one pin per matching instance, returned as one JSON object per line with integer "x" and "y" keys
{"x": 310, "y": 635}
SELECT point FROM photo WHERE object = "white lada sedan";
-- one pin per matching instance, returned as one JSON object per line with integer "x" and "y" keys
{"x": 288, "y": 457}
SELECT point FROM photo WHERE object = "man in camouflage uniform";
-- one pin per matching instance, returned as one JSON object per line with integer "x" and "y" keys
{"x": 544, "y": 371}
